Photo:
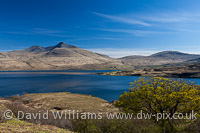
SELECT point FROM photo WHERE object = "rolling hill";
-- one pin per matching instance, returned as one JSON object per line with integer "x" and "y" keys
{"x": 161, "y": 58}
{"x": 183, "y": 69}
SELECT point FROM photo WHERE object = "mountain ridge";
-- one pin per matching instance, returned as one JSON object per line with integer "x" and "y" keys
{"x": 65, "y": 56}
{"x": 59, "y": 57}
{"x": 160, "y": 58}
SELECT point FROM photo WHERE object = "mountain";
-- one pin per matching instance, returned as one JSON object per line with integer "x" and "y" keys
{"x": 65, "y": 56}
{"x": 179, "y": 71}
{"x": 64, "y": 45}
{"x": 38, "y": 49}
{"x": 188, "y": 65}
{"x": 175, "y": 55}
{"x": 35, "y": 49}
{"x": 7, "y": 63}
{"x": 193, "y": 61}
{"x": 165, "y": 57}
{"x": 132, "y": 57}
{"x": 59, "y": 57}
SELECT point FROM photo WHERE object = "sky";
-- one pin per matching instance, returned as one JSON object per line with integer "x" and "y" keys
{"x": 113, "y": 27}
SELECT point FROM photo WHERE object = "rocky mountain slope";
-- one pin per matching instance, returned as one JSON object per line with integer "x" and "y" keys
{"x": 64, "y": 56}
{"x": 185, "y": 69}
{"x": 165, "y": 57}
{"x": 58, "y": 57}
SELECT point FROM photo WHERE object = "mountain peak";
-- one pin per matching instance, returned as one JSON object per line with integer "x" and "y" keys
{"x": 64, "y": 45}
{"x": 35, "y": 49}
{"x": 38, "y": 49}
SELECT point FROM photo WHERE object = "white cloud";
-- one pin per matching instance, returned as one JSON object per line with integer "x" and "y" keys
{"x": 171, "y": 17}
{"x": 133, "y": 32}
{"x": 180, "y": 21}
{"x": 40, "y": 31}
{"x": 123, "y": 20}
{"x": 121, "y": 52}
{"x": 45, "y": 31}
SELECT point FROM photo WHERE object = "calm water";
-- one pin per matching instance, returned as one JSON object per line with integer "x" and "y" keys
{"x": 106, "y": 87}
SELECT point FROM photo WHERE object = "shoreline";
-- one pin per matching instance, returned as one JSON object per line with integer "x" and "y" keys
{"x": 153, "y": 73}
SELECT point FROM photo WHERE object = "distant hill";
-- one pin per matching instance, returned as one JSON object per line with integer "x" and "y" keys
{"x": 193, "y": 61}
{"x": 182, "y": 65}
{"x": 132, "y": 57}
{"x": 65, "y": 56}
{"x": 175, "y": 55}
{"x": 58, "y": 57}
{"x": 165, "y": 57}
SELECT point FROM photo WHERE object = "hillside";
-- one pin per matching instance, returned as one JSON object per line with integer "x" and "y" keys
{"x": 188, "y": 69}
{"x": 65, "y": 56}
{"x": 53, "y": 102}
{"x": 165, "y": 57}
{"x": 175, "y": 64}
{"x": 58, "y": 57}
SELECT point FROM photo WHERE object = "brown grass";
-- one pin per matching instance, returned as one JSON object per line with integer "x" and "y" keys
{"x": 33, "y": 103}
{"x": 18, "y": 126}
{"x": 66, "y": 101}
{"x": 61, "y": 123}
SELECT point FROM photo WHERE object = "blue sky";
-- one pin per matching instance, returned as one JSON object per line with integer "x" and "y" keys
{"x": 113, "y": 27}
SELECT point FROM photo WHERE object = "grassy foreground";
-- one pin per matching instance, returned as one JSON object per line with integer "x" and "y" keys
{"x": 158, "y": 98}
{"x": 66, "y": 101}
{"x": 16, "y": 125}
{"x": 19, "y": 126}
{"x": 52, "y": 102}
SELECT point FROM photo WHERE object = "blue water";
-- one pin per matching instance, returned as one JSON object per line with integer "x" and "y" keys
{"x": 83, "y": 82}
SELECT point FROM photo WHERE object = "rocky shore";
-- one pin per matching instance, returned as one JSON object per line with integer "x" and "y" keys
{"x": 186, "y": 71}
